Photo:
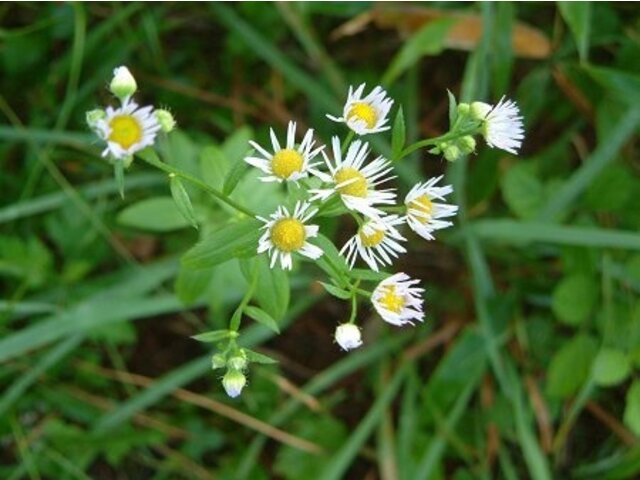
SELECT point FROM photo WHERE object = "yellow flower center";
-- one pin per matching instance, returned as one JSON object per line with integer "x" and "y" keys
{"x": 365, "y": 112}
{"x": 286, "y": 162}
{"x": 424, "y": 205}
{"x": 372, "y": 240}
{"x": 391, "y": 300}
{"x": 357, "y": 187}
{"x": 125, "y": 131}
{"x": 288, "y": 234}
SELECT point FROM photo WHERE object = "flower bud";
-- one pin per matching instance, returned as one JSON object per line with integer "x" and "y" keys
{"x": 463, "y": 109}
{"x": 123, "y": 84}
{"x": 480, "y": 110}
{"x": 165, "y": 119}
{"x": 218, "y": 361}
{"x": 467, "y": 144}
{"x": 233, "y": 382}
{"x": 238, "y": 362}
{"x": 94, "y": 117}
{"x": 452, "y": 153}
{"x": 348, "y": 336}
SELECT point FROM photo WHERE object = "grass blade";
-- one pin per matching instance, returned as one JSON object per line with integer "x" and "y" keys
{"x": 521, "y": 232}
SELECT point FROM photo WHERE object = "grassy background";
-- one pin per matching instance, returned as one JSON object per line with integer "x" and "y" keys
{"x": 527, "y": 366}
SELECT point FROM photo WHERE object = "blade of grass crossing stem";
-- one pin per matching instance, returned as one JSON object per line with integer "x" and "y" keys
{"x": 83, "y": 318}
{"x": 342, "y": 459}
{"x": 40, "y": 135}
{"x": 47, "y": 203}
{"x": 431, "y": 459}
{"x": 317, "y": 385}
{"x": 533, "y": 456}
{"x": 167, "y": 384}
{"x": 385, "y": 441}
{"x": 265, "y": 49}
{"x": 603, "y": 155}
{"x": 299, "y": 25}
{"x": 23, "y": 382}
{"x": 475, "y": 86}
{"x": 521, "y": 233}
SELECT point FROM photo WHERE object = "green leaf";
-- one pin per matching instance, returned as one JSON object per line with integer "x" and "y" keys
{"x": 453, "y": 108}
{"x": 398, "y": 135}
{"x": 574, "y": 298}
{"x": 237, "y": 239}
{"x": 191, "y": 284}
{"x": 214, "y": 166}
{"x": 570, "y": 366}
{"x": 369, "y": 275}
{"x": 273, "y": 290}
{"x": 183, "y": 202}
{"x": 611, "y": 190}
{"x": 255, "y": 357}
{"x": 331, "y": 261}
{"x": 610, "y": 367}
{"x": 429, "y": 40}
{"x": 235, "y": 147}
{"x": 632, "y": 409}
{"x": 522, "y": 190}
{"x": 234, "y": 176}
{"x": 158, "y": 214}
{"x": 212, "y": 336}
{"x": 578, "y": 17}
{"x": 336, "y": 291}
{"x": 262, "y": 317}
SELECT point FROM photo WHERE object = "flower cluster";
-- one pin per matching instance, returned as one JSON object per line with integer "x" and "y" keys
{"x": 348, "y": 179}
{"x": 342, "y": 178}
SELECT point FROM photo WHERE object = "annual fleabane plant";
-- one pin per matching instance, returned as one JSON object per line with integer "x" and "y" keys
{"x": 345, "y": 180}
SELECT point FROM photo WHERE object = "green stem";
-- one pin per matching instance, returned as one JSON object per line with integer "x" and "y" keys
{"x": 151, "y": 158}
{"x": 354, "y": 302}
{"x": 234, "y": 324}
{"x": 347, "y": 141}
{"x": 434, "y": 141}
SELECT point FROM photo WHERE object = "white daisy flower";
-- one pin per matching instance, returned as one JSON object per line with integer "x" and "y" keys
{"x": 348, "y": 336}
{"x": 127, "y": 129}
{"x": 286, "y": 233}
{"x": 368, "y": 114}
{"x": 376, "y": 242}
{"x": 397, "y": 301}
{"x": 502, "y": 124}
{"x": 288, "y": 163}
{"x": 423, "y": 214}
{"x": 354, "y": 182}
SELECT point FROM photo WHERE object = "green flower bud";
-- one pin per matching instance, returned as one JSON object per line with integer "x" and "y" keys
{"x": 480, "y": 110}
{"x": 238, "y": 361}
{"x": 463, "y": 109}
{"x": 94, "y": 116}
{"x": 123, "y": 84}
{"x": 452, "y": 153}
{"x": 218, "y": 361}
{"x": 165, "y": 119}
{"x": 233, "y": 382}
{"x": 467, "y": 144}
